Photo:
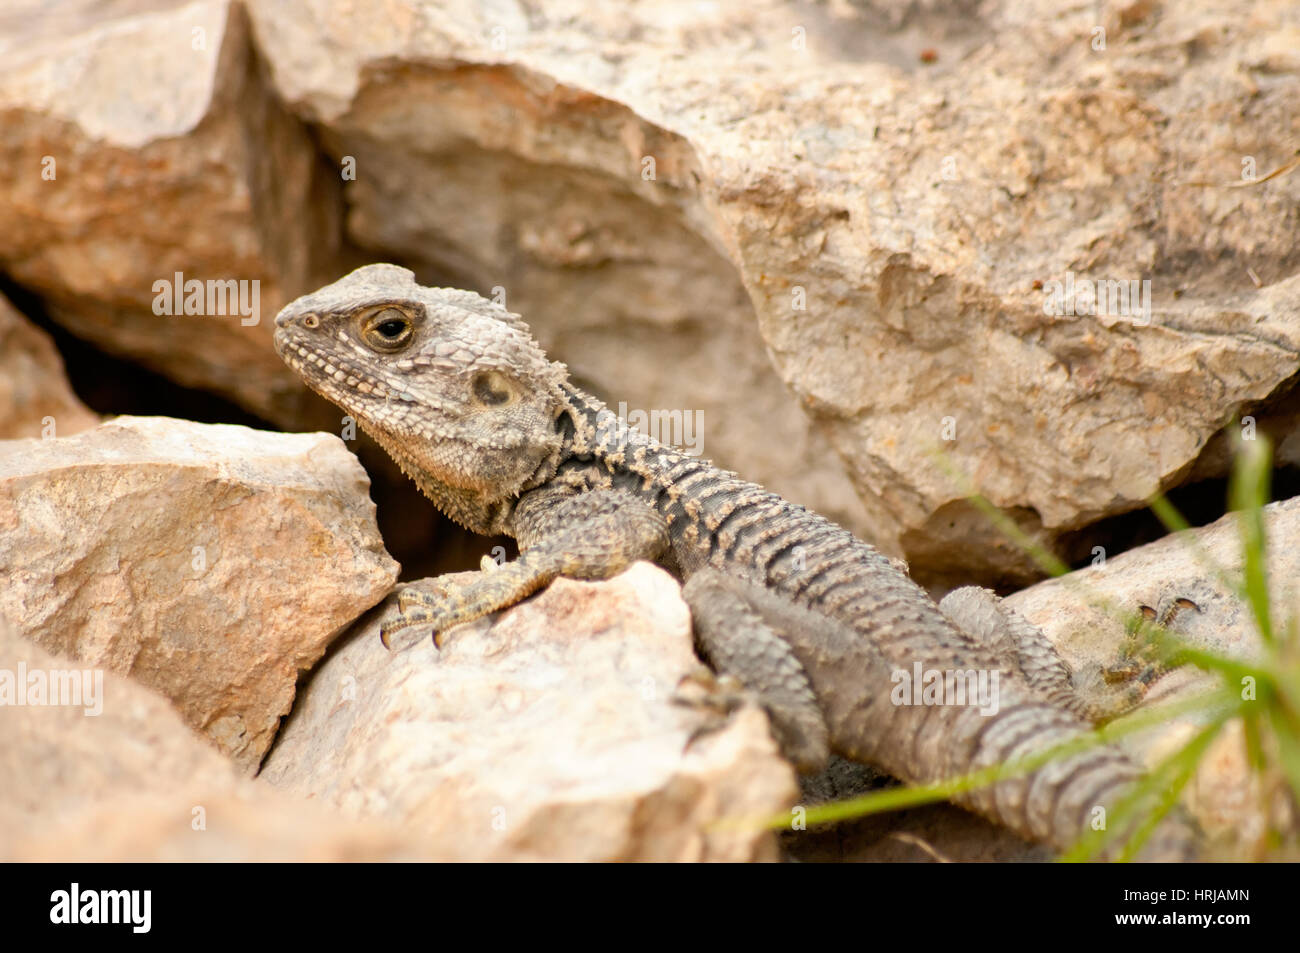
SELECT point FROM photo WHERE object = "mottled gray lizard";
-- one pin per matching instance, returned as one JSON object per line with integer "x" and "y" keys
{"x": 821, "y": 627}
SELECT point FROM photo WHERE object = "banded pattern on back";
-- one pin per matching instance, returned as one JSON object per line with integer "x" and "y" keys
{"x": 879, "y": 622}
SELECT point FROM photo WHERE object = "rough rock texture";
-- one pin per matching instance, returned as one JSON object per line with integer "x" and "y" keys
{"x": 32, "y": 385}
{"x": 1067, "y": 609}
{"x": 133, "y": 783}
{"x": 140, "y": 141}
{"x": 895, "y": 225}
{"x": 547, "y": 734}
{"x": 211, "y": 563}
{"x": 679, "y": 195}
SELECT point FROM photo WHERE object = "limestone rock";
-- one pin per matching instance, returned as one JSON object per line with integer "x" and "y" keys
{"x": 547, "y": 734}
{"x": 33, "y": 389}
{"x": 141, "y": 144}
{"x": 692, "y": 204}
{"x": 897, "y": 227}
{"x": 211, "y": 563}
{"x": 130, "y": 782}
{"x": 1071, "y": 611}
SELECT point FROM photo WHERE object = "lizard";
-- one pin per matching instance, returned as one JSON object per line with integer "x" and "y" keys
{"x": 821, "y": 627}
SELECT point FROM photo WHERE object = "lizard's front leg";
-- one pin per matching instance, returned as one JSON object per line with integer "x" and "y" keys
{"x": 590, "y": 535}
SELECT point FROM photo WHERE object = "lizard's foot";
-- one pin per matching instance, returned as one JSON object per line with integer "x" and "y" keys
{"x": 591, "y": 536}
{"x": 704, "y": 689}
{"x": 417, "y": 606}
{"x": 715, "y": 697}
{"x": 448, "y": 601}
{"x": 1095, "y": 692}
{"x": 1140, "y": 657}
{"x": 429, "y": 594}
{"x": 430, "y": 602}
{"x": 1121, "y": 686}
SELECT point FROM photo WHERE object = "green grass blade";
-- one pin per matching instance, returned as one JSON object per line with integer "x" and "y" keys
{"x": 1248, "y": 492}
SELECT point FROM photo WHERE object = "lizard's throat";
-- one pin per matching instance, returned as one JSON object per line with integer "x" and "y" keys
{"x": 477, "y": 510}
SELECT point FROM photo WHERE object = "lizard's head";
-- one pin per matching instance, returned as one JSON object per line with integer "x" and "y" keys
{"x": 451, "y": 384}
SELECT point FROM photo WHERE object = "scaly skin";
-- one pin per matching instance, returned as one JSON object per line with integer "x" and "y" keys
{"x": 818, "y": 623}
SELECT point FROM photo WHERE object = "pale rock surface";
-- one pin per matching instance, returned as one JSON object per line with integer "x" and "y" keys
{"x": 210, "y": 563}
{"x": 134, "y": 783}
{"x": 545, "y": 732}
{"x": 140, "y": 141}
{"x": 32, "y": 383}
{"x": 822, "y": 201}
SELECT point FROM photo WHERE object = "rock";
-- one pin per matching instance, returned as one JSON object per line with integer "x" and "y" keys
{"x": 693, "y": 204}
{"x": 131, "y": 782}
{"x": 701, "y": 202}
{"x": 154, "y": 150}
{"x": 546, "y": 734}
{"x": 896, "y": 227}
{"x": 210, "y": 563}
{"x": 1070, "y": 610}
{"x": 35, "y": 397}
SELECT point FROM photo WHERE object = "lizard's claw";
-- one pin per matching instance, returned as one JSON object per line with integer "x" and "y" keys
{"x": 1140, "y": 659}
{"x": 1119, "y": 687}
{"x": 404, "y": 620}
{"x": 428, "y": 604}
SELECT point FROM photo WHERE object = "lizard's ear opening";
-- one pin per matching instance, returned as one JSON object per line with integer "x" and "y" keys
{"x": 493, "y": 389}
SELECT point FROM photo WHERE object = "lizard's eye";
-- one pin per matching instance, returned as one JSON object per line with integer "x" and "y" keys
{"x": 492, "y": 389}
{"x": 388, "y": 329}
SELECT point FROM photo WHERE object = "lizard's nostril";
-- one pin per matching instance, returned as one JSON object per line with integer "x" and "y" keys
{"x": 286, "y": 318}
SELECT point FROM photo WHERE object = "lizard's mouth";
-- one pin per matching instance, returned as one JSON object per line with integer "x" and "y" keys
{"x": 280, "y": 341}
{"x": 298, "y": 354}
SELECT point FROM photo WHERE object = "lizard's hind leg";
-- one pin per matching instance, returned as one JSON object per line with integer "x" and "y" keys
{"x": 1095, "y": 693}
{"x": 741, "y": 633}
